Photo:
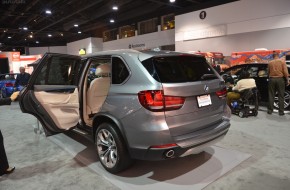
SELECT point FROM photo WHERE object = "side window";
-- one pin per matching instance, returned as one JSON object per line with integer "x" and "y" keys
{"x": 58, "y": 71}
{"x": 99, "y": 67}
{"x": 263, "y": 72}
{"x": 119, "y": 71}
{"x": 253, "y": 71}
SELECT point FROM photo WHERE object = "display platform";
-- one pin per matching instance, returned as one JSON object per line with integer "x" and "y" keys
{"x": 192, "y": 172}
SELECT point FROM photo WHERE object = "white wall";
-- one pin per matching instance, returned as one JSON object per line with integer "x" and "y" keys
{"x": 91, "y": 45}
{"x": 238, "y": 26}
{"x": 43, "y": 50}
{"x": 146, "y": 41}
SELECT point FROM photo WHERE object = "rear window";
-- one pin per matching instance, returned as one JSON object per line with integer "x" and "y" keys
{"x": 177, "y": 69}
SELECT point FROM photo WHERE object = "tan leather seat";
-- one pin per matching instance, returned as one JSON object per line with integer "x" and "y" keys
{"x": 98, "y": 89}
{"x": 262, "y": 73}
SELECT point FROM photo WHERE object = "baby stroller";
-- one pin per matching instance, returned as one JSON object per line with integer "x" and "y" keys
{"x": 247, "y": 105}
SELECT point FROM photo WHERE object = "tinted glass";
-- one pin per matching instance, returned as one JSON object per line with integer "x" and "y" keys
{"x": 176, "y": 69}
{"x": 119, "y": 71}
{"x": 58, "y": 71}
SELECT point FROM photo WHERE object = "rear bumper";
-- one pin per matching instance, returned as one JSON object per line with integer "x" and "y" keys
{"x": 187, "y": 144}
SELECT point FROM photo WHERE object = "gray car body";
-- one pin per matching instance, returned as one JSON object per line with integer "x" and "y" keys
{"x": 190, "y": 127}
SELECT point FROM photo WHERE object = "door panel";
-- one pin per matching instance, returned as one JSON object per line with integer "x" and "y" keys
{"x": 63, "y": 108}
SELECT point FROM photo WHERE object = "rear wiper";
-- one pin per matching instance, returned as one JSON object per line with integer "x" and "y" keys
{"x": 208, "y": 76}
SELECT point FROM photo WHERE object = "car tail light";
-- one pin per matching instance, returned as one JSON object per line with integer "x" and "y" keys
{"x": 9, "y": 84}
{"x": 154, "y": 100}
{"x": 221, "y": 93}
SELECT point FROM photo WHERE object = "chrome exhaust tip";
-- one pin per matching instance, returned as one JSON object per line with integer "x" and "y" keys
{"x": 169, "y": 153}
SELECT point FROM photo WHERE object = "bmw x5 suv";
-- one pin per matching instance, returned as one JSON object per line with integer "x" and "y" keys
{"x": 135, "y": 105}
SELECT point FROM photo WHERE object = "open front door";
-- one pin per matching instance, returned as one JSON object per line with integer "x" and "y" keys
{"x": 52, "y": 93}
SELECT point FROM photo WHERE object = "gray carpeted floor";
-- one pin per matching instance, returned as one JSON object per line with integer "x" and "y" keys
{"x": 42, "y": 164}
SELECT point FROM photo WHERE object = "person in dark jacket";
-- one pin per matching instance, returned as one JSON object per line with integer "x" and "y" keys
{"x": 4, "y": 165}
{"x": 7, "y": 101}
{"x": 22, "y": 78}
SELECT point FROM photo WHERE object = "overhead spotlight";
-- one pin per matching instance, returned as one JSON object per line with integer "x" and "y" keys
{"x": 79, "y": 32}
{"x": 115, "y": 7}
{"x": 112, "y": 20}
{"x": 37, "y": 42}
{"x": 5, "y": 30}
{"x": 171, "y": 1}
{"x": 49, "y": 35}
{"x": 25, "y": 39}
{"x": 9, "y": 37}
{"x": 76, "y": 25}
{"x": 30, "y": 36}
{"x": 25, "y": 28}
{"x": 48, "y": 12}
{"x": 61, "y": 34}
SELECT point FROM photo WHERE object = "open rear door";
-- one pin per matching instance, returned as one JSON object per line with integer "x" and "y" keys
{"x": 52, "y": 93}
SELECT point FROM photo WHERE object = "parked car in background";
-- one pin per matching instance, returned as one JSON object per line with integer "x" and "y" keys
{"x": 258, "y": 71}
{"x": 7, "y": 85}
{"x": 151, "y": 105}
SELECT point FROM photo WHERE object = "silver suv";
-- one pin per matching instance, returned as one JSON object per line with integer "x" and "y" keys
{"x": 150, "y": 105}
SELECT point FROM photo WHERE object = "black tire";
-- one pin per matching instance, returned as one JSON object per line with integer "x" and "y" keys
{"x": 111, "y": 149}
{"x": 241, "y": 114}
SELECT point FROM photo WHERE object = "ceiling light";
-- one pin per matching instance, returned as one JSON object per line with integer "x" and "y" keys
{"x": 37, "y": 42}
{"x": 171, "y": 1}
{"x": 49, "y": 35}
{"x": 76, "y": 25}
{"x": 61, "y": 34}
{"x": 79, "y": 32}
{"x": 115, "y": 7}
{"x": 9, "y": 37}
{"x": 30, "y": 36}
{"x": 112, "y": 20}
{"x": 48, "y": 12}
{"x": 25, "y": 28}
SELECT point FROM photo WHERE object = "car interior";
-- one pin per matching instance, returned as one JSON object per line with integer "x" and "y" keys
{"x": 97, "y": 83}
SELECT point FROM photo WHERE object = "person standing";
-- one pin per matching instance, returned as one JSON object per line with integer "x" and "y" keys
{"x": 278, "y": 79}
{"x": 22, "y": 78}
{"x": 4, "y": 166}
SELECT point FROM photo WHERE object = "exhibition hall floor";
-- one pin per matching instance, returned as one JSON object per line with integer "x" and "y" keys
{"x": 255, "y": 154}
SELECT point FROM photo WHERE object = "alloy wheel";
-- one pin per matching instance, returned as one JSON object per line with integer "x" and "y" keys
{"x": 286, "y": 100}
{"x": 107, "y": 149}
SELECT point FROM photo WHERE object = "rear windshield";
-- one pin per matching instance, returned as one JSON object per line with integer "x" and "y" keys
{"x": 176, "y": 69}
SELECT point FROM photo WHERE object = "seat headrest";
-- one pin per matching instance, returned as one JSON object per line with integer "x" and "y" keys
{"x": 262, "y": 73}
{"x": 103, "y": 70}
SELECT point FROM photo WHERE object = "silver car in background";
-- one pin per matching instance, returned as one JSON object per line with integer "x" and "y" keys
{"x": 150, "y": 105}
